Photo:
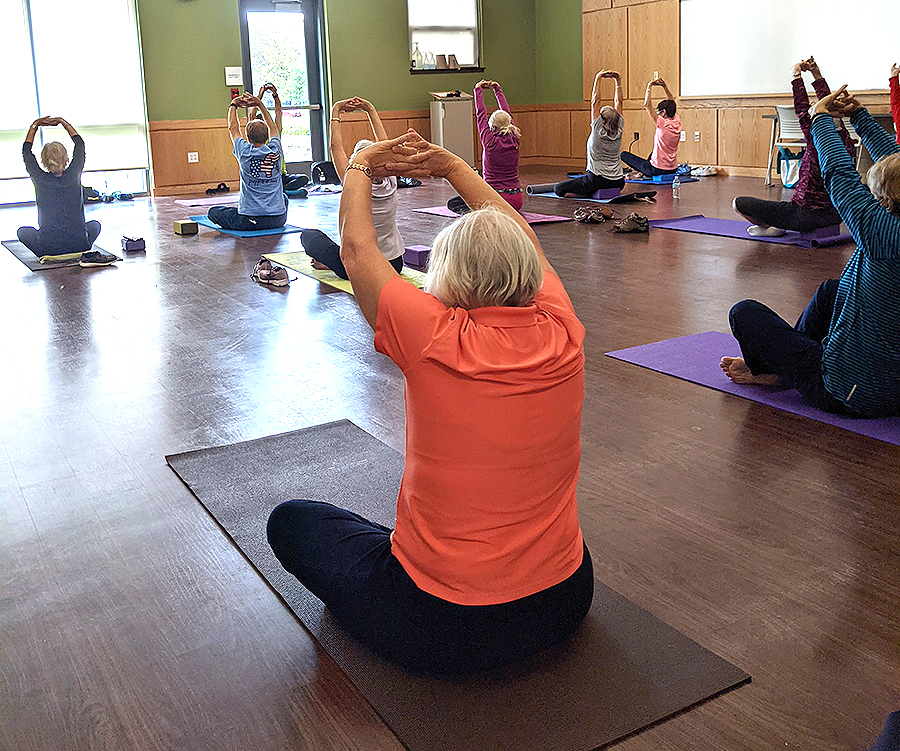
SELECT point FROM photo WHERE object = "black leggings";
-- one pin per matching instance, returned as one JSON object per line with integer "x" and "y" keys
{"x": 588, "y": 184}
{"x": 320, "y": 247}
{"x": 785, "y": 214}
{"x": 346, "y": 561}
{"x": 50, "y": 244}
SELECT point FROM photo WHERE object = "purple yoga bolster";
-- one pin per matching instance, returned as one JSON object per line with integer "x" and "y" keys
{"x": 704, "y": 225}
{"x": 696, "y": 359}
{"x": 416, "y": 255}
{"x": 606, "y": 193}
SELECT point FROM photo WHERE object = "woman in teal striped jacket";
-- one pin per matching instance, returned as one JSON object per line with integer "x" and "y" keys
{"x": 843, "y": 355}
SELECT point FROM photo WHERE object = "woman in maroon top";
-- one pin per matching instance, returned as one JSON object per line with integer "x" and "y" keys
{"x": 810, "y": 208}
{"x": 895, "y": 99}
{"x": 500, "y": 157}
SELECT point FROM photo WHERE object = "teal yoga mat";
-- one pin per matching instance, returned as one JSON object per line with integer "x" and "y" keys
{"x": 286, "y": 229}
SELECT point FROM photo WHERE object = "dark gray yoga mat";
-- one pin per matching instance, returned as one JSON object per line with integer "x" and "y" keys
{"x": 33, "y": 262}
{"x": 624, "y": 671}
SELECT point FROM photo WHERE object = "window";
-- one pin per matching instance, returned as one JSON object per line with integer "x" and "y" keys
{"x": 41, "y": 43}
{"x": 446, "y": 28}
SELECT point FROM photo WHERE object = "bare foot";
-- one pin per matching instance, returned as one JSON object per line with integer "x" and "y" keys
{"x": 736, "y": 369}
{"x": 319, "y": 266}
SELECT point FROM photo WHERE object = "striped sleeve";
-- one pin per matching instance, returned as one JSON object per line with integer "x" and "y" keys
{"x": 876, "y": 231}
{"x": 875, "y": 138}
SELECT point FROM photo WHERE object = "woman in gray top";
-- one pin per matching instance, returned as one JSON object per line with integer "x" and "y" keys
{"x": 57, "y": 192}
{"x": 604, "y": 168}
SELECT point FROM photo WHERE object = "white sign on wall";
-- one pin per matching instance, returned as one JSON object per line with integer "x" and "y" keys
{"x": 234, "y": 75}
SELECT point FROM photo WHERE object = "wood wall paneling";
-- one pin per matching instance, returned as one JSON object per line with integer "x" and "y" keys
{"x": 554, "y": 134}
{"x": 604, "y": 39}
{"x": 171, "y": 143}
{"x": 744, "y": 136}
{"x": 653, "y": 45}
{"x": 706, "y": 122}
{"x": 589, "y": 5}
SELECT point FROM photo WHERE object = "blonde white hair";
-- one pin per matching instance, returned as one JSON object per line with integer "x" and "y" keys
{"x": 609, "y": 116}
{"x": 500, "y": 122}
{"x": 883, "y": 179}
{"x": 54, "y": 157}
{"x": 484, "y": 259}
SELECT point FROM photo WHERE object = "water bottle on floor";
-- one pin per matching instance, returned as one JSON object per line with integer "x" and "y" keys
{"x": 676, "y": 187}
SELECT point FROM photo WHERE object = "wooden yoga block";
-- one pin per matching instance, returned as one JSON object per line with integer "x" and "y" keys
{"x": 185, "y": 227}
{"x": 416, "y": 255}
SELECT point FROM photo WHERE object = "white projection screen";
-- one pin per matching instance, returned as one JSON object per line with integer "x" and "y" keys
{"x": 732, "y": 47}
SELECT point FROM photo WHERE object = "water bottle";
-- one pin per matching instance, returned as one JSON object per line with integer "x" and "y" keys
{"x": 676, "y": 187}
{"x": 416, "y": 58}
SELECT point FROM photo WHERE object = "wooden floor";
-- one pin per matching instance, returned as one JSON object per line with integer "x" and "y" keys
{"x": 129, "y": 621}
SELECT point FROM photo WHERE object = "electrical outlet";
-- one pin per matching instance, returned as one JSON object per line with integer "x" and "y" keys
{"x": 682, "y": 137}
{"x": 193, "y": 157}
{"x": 697, "y": 136}
{"x": 637, "y": 136}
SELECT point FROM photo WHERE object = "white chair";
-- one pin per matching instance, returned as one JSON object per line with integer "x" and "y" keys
{"x": 786, "y": 132}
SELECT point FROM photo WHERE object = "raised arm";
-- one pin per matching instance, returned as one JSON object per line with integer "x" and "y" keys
{"x": 481, "y": 116}
{"x": 234, "y": 125}
{"x": 254, "y": 101}
{"x": 895, "y": 97}
{"x": 596, "y": 101}
{"x": 801, "y": 98}
{"x": 853, "y": 201}
{"x": 374, "y": 118}
{"x": 501, "y": 100}
{"x": 665, "y": 88}
{"x": 648, "y": 104}
{"x": 336, "y": 141}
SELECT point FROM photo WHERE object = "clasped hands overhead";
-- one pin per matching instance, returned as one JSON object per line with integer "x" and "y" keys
{"x": 408, "y": 155}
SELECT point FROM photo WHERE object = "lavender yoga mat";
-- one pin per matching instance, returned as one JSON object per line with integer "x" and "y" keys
{"x": 529, "y": 217}
{"x": 696, "y": 358}
{"x": 704, "y": 225}
{"x": 220, "y": 200}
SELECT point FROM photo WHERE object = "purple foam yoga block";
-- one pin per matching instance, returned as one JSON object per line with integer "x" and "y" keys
{"x": 416, "y": 255}
{"x": 605, "y": 193}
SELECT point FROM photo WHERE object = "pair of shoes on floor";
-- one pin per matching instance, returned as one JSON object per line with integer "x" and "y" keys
{"x": 408, "y": 182}
{"x": 635, "y": 175}
{"x": 634, "y": 222}
{"x": 756, "y": 231}
{"x": 265, "y": 272}
{"x": 220, "y": 188}
{"x": 120, "y": 196}
{"x": 707, "y": 171}
{"x": 589, "y": 215}
{"x": 93, "y": 258}
{"x": 90, "y": 195}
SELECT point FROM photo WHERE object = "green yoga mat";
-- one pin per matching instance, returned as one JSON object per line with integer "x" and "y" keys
{"x": 45, "y": 262}
{"x": 300, "y": 262}
{"x": 622, "y": 672}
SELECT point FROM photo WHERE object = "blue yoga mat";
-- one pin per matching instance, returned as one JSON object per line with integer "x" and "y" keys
{"x": 662, "y": 180}
{"x": 286, "y": 229}
{"x": 696, "y": 358}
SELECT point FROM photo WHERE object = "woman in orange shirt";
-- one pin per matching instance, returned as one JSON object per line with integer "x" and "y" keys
{"x": 486, "y": 565}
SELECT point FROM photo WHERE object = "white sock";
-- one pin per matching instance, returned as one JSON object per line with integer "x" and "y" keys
{"x": 757, "y": 231}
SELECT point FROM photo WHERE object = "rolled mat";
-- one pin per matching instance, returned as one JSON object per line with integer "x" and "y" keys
{"x": 528, "y": 216}
{"x": 534, "y": 190}
{"x": 623, "y": 671}
{"x": 704, "y": 225}
{"x": 695, "y": 358}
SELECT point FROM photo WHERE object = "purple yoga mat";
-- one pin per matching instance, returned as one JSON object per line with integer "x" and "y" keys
{"x": 529, "y": 217}
{"x": 704, "y": 225}
{"x": 696, "y": 358}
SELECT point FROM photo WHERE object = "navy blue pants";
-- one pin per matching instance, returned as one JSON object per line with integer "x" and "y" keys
{"x": 643, "y": 165}
{"x": 346, "y": 561}
{"x": 770, "y": 345}
{"x": 45, "y": 244}
{"x": 320, "y": 247}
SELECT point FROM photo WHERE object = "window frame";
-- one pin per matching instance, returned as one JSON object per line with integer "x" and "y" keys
{"x": 478, "y": 67}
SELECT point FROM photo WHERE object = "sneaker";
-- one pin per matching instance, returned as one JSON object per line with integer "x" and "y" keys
{"x": 756, "y": 231}
{"x": 266, "y": 273}
{"x": 634, "y": 222}
{"x": 92, "y": 258}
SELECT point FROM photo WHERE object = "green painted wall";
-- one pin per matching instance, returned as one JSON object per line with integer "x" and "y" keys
{"x": 532, "y": 47}
{"x": 369, "y": 53}
{"x": 558, "y": 51}
{"x": 186, "y": 45}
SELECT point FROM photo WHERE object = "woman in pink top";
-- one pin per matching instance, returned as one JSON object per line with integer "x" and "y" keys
{"x": 486, "y": 565}
{"x": 895, "y": 99}
{"x": 500, "y": 156}
{"x": 664, "y": 159}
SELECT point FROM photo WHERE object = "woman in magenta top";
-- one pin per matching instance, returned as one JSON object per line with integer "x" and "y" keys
{"x": 500, "y": 157}
{"x": 895, "y": 99}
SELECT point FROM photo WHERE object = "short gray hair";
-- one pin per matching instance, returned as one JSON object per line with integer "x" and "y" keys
{"x": 883, "y": 179}
{"x": 484, "y": 259}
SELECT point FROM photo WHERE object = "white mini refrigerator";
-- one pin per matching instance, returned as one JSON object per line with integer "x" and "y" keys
{"x": 451, "y": 124}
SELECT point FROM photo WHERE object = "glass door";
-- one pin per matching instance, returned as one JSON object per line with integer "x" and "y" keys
{"x": 281, "y": 43}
